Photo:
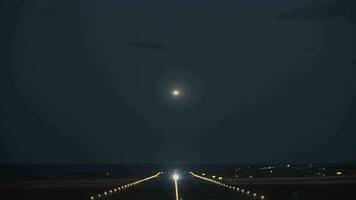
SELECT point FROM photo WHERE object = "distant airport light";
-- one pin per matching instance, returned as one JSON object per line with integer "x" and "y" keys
{"x": 339, "y": 173}
{"x": 91, "y": 197}
{"x": 220, "y": 178}
{"x": 213, "y": 176}
{"x": 203, "y": 174}
{"x": 262, "y": 197}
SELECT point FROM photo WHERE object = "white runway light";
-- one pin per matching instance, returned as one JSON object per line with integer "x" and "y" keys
{"x": 118, "y": 189}
{"x": 229, "y": 186}
{"x": 175, "y": 177}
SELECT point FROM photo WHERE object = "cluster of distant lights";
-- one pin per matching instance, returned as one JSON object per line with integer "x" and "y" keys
{"x": 123, "y": 187}
{"x": 243, "y": 191}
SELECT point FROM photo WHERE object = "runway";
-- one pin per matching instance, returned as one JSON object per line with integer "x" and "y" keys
{"x": 161, "y": 187}
{"x": 189, "y": 188}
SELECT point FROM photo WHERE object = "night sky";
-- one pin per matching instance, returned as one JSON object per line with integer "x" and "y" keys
{"x": 88, "y": 81}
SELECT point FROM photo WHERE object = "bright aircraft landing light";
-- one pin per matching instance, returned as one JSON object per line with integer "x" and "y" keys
{"x": 176, "y": 92}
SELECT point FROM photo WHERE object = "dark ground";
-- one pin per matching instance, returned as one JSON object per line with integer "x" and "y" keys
{"x": 190, "y": 188}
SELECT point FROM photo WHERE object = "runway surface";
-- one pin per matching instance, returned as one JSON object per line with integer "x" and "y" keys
{"x": 190, "y": 188}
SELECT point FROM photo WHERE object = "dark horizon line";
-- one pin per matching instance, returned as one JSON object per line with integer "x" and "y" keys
{"x": 177, "y": 163}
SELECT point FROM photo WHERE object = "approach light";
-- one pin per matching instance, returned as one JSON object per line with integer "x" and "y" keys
{"x": 175, "y": 177}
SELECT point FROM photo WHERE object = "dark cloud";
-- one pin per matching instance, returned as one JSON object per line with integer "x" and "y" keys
{"x": 310, "y": 49}
{"x": 329, "y": 10}
{"x": 57, "y": 10}
{"x": 284, "y": 125}
{"x": 90, "y": 108}
{"x": 267, "y": 89}
{"x": 340, "y": 147}
{"x": 148, "y": 45}
{"x": 54, "y": 11}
